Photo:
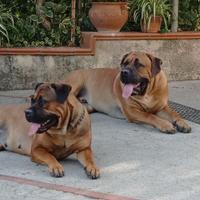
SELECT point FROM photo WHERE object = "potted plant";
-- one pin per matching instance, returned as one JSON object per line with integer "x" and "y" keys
{"x": 108, "y": 16}
{"x": 150, "y": 14}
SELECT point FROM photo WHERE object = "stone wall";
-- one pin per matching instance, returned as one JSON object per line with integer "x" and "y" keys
{"x": 181, "y": 61}
{"x": 181, "y": 58}
{"x": 23, "y": 72}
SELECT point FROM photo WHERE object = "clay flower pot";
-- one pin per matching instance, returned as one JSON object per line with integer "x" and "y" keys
{"x": 154, "y": 25}
{"x": 108, "y": 16}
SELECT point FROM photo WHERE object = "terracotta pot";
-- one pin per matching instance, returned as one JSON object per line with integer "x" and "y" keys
{"x": 154, "y": 26}
{"x": 108, "y": 16}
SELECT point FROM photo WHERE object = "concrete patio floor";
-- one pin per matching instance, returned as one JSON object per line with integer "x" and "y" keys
{"x": 136, "y": 161}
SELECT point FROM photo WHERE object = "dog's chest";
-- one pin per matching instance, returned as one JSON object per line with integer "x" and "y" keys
{"x": 147, "y": 102}
{"x": 69, "y": 145}
{"x": 63, "y": 150}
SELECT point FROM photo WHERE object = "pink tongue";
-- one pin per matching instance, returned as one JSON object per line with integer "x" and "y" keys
{"x": 33, "y": 129}
{"x": 128, "y": 89}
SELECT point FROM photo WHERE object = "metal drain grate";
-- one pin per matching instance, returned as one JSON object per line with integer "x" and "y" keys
{"x": 190, "y": 114}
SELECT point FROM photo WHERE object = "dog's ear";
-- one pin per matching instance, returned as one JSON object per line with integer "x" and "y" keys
{"x": 62, "y": 91}
{"x": 156, "y": 64}
{"x": 37, "y": 85}
{"x": 123, "y": 58}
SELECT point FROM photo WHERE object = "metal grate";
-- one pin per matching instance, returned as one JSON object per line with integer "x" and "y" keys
{"x": 190, "y": 114}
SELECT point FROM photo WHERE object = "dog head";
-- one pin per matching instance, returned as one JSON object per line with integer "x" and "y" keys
{"x": 47, "y": 110}
{"x": 137, "y": 70}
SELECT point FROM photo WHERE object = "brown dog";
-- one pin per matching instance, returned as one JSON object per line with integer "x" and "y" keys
{"x": 60, "y": 126}
{"x": 138, "y": 91}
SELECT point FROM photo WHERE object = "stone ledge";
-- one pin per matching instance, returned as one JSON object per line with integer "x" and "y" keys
{"x": 46, "y": 51}
{"x": 88, "y": 44}
{"x": 22, "y": 68}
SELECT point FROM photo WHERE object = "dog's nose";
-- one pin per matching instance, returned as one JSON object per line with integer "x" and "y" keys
{"x": 125, "y": 73}
{"x": 29, "y": 113}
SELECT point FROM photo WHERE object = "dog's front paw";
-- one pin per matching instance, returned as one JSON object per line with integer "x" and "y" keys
{"x": 168, "y": 128}
{"x": 2, "y": 148}
{"x": 56, "y": 170}
{"x": 182, "y": 126}
{"x": 92, "y": 171}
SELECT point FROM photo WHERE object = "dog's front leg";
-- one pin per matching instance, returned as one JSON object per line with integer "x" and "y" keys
{"x": 175, "y": 118}
{"x": 85, "y": 157}
{"x": 42, "y": 156}
{"x": 138, "y": 116}
{"x": 2, "y": 147}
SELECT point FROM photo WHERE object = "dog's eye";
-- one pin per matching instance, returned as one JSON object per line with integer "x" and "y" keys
{"x": 33, "y": 101}
{"x": 137, "y": 64}
{"x": 41, "y": 102}
{"x": 124, "y": 64}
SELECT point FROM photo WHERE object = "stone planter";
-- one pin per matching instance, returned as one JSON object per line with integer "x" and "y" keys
{"x": 108, "y": 16}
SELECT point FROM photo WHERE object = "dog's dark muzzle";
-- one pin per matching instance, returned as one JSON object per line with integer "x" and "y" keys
{"x": 128, "y": 76}
{"x": 29, "y": 113}
{"x": 125, "y": 76}
{"x": 35, "y": 115}
{"x": 38, "y": 116}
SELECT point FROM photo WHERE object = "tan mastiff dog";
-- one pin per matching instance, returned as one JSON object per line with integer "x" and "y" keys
{"x": 138, "y": 91}
{"x": 59, "y": 126}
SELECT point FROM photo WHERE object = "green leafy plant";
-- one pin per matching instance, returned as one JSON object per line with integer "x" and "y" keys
{"x": 189, "y": 15}
{"x": 29, "y": 29}
{"x": 143, "y": 10}
{"x": 22, "y": 26}
{"x": 109, "y": 0}
{"x": 6, "y": 22}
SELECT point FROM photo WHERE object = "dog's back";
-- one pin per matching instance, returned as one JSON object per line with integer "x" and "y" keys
{"x": 94, "y": 87}
{"x": 14, "y": 129}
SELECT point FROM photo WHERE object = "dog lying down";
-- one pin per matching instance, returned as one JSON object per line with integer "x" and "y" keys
{"x": 55, "y": 126}
{"x": 137, "y": 92}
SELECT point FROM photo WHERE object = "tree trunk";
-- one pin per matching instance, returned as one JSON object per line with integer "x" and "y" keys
{"x": 73, "y": 17}
{"x": 174, "y": 27}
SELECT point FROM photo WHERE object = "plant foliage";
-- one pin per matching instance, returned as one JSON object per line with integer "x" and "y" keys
{"x": 22, "y": 26}
{"x": 6, "y": 23}
{"x": 143, "y": 10}
{"x": 26, "y": 28}
{"x": 189, "y": 15}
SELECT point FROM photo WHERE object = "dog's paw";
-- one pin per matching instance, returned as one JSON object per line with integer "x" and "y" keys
{"x": 2, "y": 148}
{"x": 56, "y": 170}
{"x": 168, "y": 128}
{"x": 182, "y": 126}
{"x": 92, "y": 171}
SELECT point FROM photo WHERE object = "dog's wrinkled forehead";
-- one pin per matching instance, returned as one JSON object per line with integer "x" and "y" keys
{"x": 46, "y": 91}
{"x": 135, "y": 57}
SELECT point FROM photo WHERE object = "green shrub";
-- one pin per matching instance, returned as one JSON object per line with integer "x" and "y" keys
{"x": 6, "y": 23}
{"x": 29, "y": 29}
{"x": 22, "y": 26}
{"x": 143, "y": 10}
{"x": 189, "y": 15}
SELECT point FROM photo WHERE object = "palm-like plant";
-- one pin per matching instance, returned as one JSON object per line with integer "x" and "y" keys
{"x": 109, "y": 0}
{"x": 6, "y": 21}
{"x": 144, "y": 10}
